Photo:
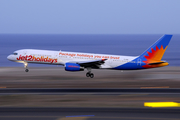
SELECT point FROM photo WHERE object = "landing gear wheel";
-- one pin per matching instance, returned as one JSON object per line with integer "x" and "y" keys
{"x": 88, "y": 74}
{"x": 25, "y": 66}
{"x": 26, "y": 70}
{"x": 91, "y": 75}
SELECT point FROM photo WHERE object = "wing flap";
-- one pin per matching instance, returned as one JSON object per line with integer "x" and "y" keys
{"x": 92, "y": 64}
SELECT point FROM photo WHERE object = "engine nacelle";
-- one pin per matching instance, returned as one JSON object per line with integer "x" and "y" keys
{"x": 73, "y": 67}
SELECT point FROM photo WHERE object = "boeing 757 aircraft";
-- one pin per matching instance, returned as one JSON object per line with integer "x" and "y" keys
{"x": 76, "y": 61}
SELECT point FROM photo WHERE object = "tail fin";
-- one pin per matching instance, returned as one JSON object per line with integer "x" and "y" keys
{"x": 155, "y": 53}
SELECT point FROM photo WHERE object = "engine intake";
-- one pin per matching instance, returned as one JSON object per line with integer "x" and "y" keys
{"x": 73, "y": 67}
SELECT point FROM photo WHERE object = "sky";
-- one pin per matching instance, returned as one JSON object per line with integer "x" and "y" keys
{"x": 89, "y": 17}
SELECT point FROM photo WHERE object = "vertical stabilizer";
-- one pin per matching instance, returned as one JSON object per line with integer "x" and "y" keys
{"x": 157, "y": 50}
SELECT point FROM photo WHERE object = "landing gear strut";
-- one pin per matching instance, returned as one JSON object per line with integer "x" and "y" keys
{"x": 89, "y": 74}
{"x": 25, "y": 66}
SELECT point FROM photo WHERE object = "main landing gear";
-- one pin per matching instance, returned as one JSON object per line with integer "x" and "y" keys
{"x": 89, "y": 74}
{"x": 25, "y": 66}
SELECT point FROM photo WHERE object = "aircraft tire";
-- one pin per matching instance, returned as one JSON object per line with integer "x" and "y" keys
{"x": 88, "y": 74}
{"x": 91, "y": 75}
{"x": 26, "y": 70}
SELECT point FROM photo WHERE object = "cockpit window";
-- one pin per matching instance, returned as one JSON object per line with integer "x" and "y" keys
{"x": 15, "y": 54}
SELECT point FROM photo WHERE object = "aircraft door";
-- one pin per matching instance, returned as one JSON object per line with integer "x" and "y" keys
{"x": 55, "y": 55}
{"x": 59, "y": 59}
{"x": 139, "y": 62}
{"x": 24, "y": 53}
{"x": 109, "y": 62}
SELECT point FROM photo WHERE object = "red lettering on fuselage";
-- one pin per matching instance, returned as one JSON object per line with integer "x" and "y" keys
{"x": 38, "y": 59}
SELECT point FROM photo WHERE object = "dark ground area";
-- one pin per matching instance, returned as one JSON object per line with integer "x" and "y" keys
{"x": 88, "y": 114}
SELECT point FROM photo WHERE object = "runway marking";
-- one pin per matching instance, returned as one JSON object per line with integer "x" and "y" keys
{"x": 126, "y": 95}
{"x": 76, "y": 117}
{"x": 139, "y": 118}
{"x": 156, "y": 87}
{"x": 73, "y": 118}
{"x": 81, "y": 116}
{"x": 161, "y": 104}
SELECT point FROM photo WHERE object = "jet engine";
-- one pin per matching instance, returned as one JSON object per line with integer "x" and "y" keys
{"x": 73, "y": 67}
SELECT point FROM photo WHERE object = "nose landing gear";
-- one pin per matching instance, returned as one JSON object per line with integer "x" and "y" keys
{"x": 25, "y": 66}
{"x": 26, "y": 70}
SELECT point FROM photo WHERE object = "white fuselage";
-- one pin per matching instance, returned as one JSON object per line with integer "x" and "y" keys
{"x": 62, "y": 57}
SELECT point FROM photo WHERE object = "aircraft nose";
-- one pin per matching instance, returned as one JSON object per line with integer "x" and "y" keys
{"x": 9, "y": 57}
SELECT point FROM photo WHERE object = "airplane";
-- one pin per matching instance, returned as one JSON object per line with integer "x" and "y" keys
{"x": 77, "y": 61}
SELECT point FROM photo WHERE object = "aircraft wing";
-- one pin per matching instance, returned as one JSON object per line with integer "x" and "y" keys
{"x": 92, "y": 63}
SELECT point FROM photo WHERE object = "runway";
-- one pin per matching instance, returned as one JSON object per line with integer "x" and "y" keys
{"x": 85, "y": 91}
{"x": 89, "y": 114}
{"x": 53, "y": 94}
{"x": 56, "y": 77}
{"x": 86, "y": 104}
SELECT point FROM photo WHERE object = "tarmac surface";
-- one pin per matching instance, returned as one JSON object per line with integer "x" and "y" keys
{"x": 89, "y": 114}
{"x": 57, "y": 77}
{"x": 53, "y": 94}
{"x": 126, "y": 98}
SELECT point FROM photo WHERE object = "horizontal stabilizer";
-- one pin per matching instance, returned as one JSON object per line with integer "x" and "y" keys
{"x": 155, "y": 63}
